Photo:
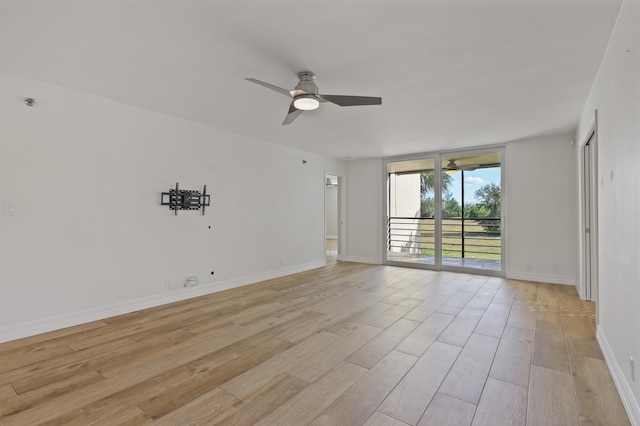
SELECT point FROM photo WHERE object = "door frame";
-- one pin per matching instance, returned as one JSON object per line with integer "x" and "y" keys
{"x": 437, "y": 156}
{"x": 341, "y": 214}
{"x": 588, "y": 288}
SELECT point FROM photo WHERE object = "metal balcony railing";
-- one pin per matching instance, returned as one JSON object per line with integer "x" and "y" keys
{"x": 474, "y": 238}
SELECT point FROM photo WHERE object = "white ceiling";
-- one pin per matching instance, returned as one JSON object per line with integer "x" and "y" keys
{"x": 451, "y": 73}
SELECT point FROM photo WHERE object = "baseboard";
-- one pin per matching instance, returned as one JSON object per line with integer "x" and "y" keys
{"x": 31, "y": 328}
{"x": 542, "y": 278}
{"x": 331, "y": 237}
{"x": 626, "y": 394}
{"x": 359, "y": 259}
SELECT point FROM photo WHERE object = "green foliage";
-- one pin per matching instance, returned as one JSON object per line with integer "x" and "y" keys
{"x": 427, "y": 207}
{"x": 428, "y": 184}
{"x": 489, "y": 196}
{"x": 476, "y": 210}
{"x": 450, "y": 206}
{"x": 427, "y": 187}
{"x": 489, "y": 206}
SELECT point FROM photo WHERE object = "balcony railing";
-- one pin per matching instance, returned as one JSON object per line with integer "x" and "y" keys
{"x": 474, "y": 238}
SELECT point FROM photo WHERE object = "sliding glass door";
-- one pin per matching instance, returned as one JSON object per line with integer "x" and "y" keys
{"x": 410, "y": 230}
{"x": 444, "y": 211}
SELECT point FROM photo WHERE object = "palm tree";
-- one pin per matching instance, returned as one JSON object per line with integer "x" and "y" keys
{"x": 427, "y": 183}
{"x": 427, "y": 187}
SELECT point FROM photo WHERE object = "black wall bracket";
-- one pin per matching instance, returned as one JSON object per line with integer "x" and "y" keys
{"x": 185, "y": 199}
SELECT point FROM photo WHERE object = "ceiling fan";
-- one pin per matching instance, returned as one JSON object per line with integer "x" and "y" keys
{"x": 306, "y": 97}
{"x": 452, "y": 167}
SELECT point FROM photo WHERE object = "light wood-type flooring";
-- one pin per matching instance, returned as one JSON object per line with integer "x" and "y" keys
{"x": 348, "y": 344}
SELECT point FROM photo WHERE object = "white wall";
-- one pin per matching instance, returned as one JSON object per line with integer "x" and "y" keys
{"x": 616, "y": 96}
{"x": 91, "y": 239}
{"x": 404, "y": 201}
{"x": 541, "y": 210}
{"x": 364, "y": 211}
{"x": 331, "y": 211}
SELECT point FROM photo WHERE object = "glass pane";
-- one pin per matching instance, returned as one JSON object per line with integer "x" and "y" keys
{"x": 471, "y": 204}
{"x": 410, "y": 212}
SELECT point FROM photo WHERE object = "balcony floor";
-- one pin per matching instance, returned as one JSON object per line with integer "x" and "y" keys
{"x": 485, "y": 264}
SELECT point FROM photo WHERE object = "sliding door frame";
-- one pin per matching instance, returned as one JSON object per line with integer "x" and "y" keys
{"x": 437, "y": 156}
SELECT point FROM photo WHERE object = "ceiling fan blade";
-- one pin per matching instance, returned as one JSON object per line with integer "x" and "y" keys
{"x": 351, "y": 100}
{"x": 292, "y": 115}
{"x": 270, "y": 86}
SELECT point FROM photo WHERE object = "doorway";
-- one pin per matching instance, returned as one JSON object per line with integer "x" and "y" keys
{"x": 444, "y": 211}
{"x": 332, "y": 218}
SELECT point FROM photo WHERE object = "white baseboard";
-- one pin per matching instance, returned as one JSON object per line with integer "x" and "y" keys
{"x": 542, "y": 278}
{"x": 31, "y": 328}
{"x": 626, "y": 394}
{"x": 331, "y": 237}
{"x": 359, "y": 259}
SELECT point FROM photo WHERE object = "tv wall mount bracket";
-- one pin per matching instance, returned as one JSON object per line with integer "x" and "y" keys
{"x": 185, "y": 199}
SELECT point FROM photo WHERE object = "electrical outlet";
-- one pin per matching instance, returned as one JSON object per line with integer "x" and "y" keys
{"x": 529, "y": 266}
{"x": 167, "y": 283}
{"x": 632, "y": 367}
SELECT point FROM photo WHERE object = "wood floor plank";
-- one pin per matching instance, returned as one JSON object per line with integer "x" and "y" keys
{"x": 132, "y": 356}
{"x": 460, "y": 328}
{"x": 481, "y": 300}
{"x": 448, "y": 411}
{"x": 312, "y": 400}
{"x": 494, "y": 320}
{"x": 211, "y": 341}
{"x": 87, "y": 395}
{"x": 431, "y": 346}
{"x": 7, "y": 392}
{"x": 513, "y": 357}
{"x": 248, "y": 382}
{"x": 424, "y": 335}
{"x": 26, "y": 401}
{"x": 324, "y": 358}
{"x": 502, "y": 403}
{"x": 25, "y": 355}
{"x": 426, "y": 308}
{"x": 378, "y": 347}
{"x": 409, "y": 399}
{"x": 262, "y": 402}
{"x": 361, "y": 400}
{"x": 166, "y": 400}
{"x": 523, "y": 315}
{"x": 455, "y": 303}
{"x": 550, "y": 346}
{"x": 469, "y": 373}
{"x": 551, "y": 398}
{"x": 346, "y": 327}
{"x": 49, "y": 377}
{"x": 379, "y": 419}
{"x": 117, "y": 415}
{"x": 210, "y": 404}
{"x": 580, "y": 335}
{"x": 37, "y": 371}
{"x": 598, "y": 402}
{"x": 506, "y": 294}
{"x": 390, "y": 316}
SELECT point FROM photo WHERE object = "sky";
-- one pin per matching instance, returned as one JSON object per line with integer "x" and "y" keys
{"x": 473, "y": 180}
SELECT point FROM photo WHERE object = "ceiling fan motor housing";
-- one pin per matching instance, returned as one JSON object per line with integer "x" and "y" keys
{"x": 307, "y": 82}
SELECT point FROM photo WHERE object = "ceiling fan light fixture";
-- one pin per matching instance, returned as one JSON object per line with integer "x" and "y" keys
{"x": 452, "y": 167}
{"x": 306, "y": 102}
